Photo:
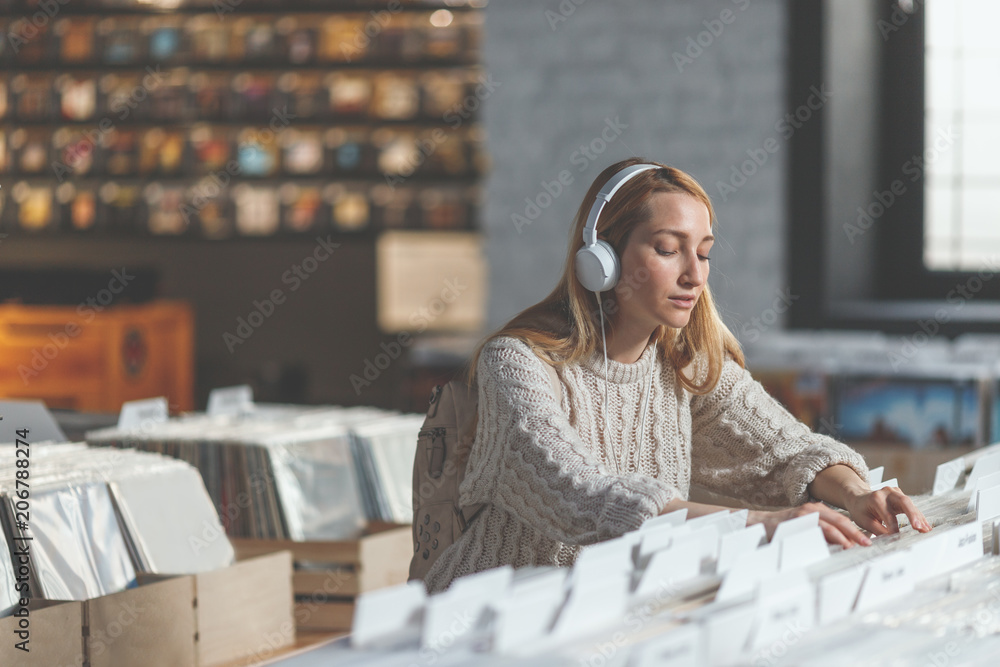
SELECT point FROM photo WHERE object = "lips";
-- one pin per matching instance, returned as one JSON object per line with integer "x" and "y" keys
{"x": 683, "y": 300}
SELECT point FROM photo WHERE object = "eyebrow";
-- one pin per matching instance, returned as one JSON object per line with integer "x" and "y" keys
{"x": 682, "y": 235}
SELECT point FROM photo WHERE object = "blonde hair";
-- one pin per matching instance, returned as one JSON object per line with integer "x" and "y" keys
{"x": 564, "y": 327}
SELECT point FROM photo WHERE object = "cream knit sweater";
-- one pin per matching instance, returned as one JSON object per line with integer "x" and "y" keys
{"x": 542, "y": 465}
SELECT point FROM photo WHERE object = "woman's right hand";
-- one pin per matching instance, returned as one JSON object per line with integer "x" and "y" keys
{"x": 837, "y": 528}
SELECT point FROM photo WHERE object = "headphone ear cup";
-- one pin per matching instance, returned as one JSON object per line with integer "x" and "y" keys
{"x": 597, "y": 267}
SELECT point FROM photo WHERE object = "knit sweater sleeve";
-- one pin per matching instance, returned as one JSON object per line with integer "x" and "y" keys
{"x": 745, "y": 444}
{"x": 533, "y": 463}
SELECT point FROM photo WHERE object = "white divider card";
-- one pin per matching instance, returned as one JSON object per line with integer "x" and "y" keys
{"x": 838, "y": 593}
{"x": 524, "y": 617}
{"x": 875, "y": 475}
{"x": 668, "y": 569}
{"x": 528, "y": 612}
{"x": 137, "y": 415}
{"x": 725, "y": 521}
{"x": 603, "y": 559}
{"x": 727, "y": 633}
{"x": 707, "y": 539}
{"x": 236, "y": 400}
{"x": 987, "y": 465}
{"x": 675, "y": 518}
{"x": 734, "y": 546}
{"x": 599, "y": 605}
{"x": 940, "y": 552}
{"x": 30, "y": 415}
{"x": 947, "y": 474}
{"x": 743, "y": 577}
{"x": 659, "y": 538}
{"x": 786, "y": 602}
{"x": 388, "y": 616}
{"x": 887, "y": 578}
{"x": 796, "y": 525}
{"x": 680, "y": 647}
{"x": 549, "y": 578}
{"x": 802, "y": 549}
{"x": 984, "y": 482}
{"x": 451, "y": 615}
{"x": 987, "y": 504}
{"x": 882, "y": 485}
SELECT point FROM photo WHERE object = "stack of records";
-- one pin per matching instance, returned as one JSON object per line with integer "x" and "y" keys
{"x": 287, "y": 472}
{"x": 96, "y": 517}
{"x": 383, "y": 454}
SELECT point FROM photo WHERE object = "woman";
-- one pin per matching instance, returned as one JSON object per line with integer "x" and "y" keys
{"x": 657, "y": 400}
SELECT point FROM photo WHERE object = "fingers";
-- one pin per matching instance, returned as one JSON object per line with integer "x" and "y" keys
{"x": 841, "y": 529}
{"x": 878, "y": 508}
{"x": 834, "y": 535}
{"x": 900, "y": 503}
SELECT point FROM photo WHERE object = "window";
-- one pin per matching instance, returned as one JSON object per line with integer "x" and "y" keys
{"x": 962, "y": 106}
{"x": 893, "y": 193}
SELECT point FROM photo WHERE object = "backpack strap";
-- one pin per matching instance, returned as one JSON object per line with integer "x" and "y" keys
{"x": 466, "y": 515}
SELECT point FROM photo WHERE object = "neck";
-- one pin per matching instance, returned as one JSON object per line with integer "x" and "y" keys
{"x": 628, "y": 343}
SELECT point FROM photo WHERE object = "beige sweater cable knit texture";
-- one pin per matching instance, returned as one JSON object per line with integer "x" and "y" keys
{"x": 544, "y": 469}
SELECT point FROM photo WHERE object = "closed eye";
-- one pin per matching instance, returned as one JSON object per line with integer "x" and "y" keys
{"x": 667, "y": 253}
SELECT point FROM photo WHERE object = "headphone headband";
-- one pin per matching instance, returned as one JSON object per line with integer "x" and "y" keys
{"x": 605, "y": 195}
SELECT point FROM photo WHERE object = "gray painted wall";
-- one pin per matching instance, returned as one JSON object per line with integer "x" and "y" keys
{"x": 560, "y": 80}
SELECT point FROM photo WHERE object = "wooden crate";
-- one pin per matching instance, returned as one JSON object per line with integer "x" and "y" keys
{"x": 242, "y": 612}
{"x": 329, "y": 575}
{"x": 82, "y": 359}
{"x": 54, "y": 633}
{"x": 151, "y": 625}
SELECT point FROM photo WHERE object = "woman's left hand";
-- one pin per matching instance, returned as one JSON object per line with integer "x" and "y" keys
{"x": 875, "y": 511}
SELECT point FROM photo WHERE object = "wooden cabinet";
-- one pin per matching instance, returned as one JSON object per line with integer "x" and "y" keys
{"x": 93, "y": 359}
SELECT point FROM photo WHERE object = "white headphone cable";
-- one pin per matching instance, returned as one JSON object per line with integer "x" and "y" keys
{"x": 645, "y": 403}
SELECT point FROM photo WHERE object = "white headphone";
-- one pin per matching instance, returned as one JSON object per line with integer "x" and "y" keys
{"x": 597, "y": 264}
{"x": 598, "y": 269}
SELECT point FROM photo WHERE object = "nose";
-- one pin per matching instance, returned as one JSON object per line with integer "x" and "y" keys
{"x": 695, "y": 271}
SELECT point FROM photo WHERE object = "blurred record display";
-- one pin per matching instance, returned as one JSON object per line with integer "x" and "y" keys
{"x": 301, "y": 208}
{"x": 34, "y": 206}
{"x": 188, "y": 118}
{"x": 257, "y": 212}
